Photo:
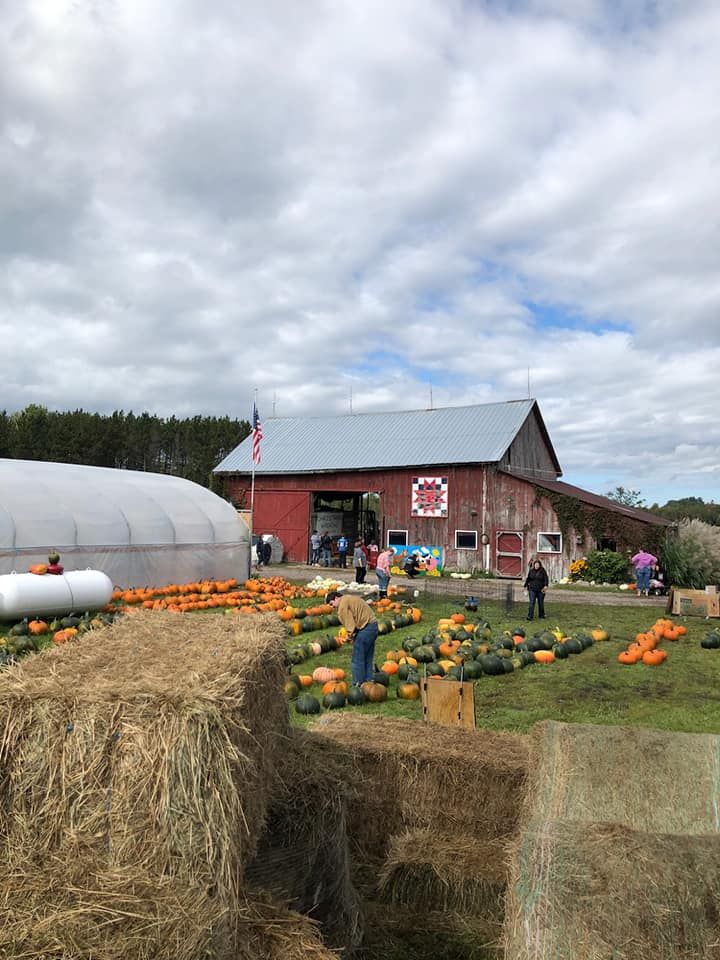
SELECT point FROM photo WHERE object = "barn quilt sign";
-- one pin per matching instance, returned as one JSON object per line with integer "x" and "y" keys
{"x": 429, "y": 497}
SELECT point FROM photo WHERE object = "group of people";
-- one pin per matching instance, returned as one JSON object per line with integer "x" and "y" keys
{"x": 321, "y": 552}
{"x": 263, "y": 552}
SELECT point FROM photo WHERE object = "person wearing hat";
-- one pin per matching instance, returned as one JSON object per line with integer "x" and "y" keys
{"x": 359, "y": 620}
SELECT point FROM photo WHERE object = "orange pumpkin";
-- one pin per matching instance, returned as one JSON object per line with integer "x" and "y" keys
{"x": 335, "y": 686}
{"x": 544, "y": 656}
{"x": 37, "y": 627}
{"x": 305, "y": 680}
{"x": 389, "y": 667}
{"x": 627, "y": 657}
{"x": 458, "y": 617}
{"x": 408, "y": 691}
{"x": 39, "y": 568}
{"x": 653, "y": 657}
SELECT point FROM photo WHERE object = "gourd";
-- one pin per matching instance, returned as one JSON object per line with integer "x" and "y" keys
{"x": 374, "y": 692}
{"x": 334, "y": 701}
{"x": 306, "y": 704}
{"x": 408, "y": 691}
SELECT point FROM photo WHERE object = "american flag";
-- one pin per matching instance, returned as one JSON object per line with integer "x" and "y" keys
{"x": 257, "y": 435}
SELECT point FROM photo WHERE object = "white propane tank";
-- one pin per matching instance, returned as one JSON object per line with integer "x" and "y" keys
{"x": 28, "y": 595}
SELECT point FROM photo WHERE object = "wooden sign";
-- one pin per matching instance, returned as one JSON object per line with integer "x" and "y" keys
{"x": 450, "y": 702}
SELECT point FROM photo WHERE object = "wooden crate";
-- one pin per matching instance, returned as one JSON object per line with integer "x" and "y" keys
{"x": 449, "y": 702}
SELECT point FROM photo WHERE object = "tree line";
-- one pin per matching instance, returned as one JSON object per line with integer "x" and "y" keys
{"x": 188, "y": 448}
{"x": 685, "y": 508}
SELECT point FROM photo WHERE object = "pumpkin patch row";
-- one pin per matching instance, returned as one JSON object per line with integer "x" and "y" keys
{"x": 646, "y": 646}
{"x": 256, "y": 592}
{"x": 328, "y": 643}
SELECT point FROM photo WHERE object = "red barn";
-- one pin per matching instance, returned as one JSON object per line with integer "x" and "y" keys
{"x": 475, "y": 486}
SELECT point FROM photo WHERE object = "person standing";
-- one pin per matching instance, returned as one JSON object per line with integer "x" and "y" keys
{"x": 315, "y": 549}
{"x": 260, "y": 551}
{"x": 643, "y": 563}
{"x": 267, "y": 552}
{"x": 359, "y": 562}
{"x": 342, "y": 545}
{"x": 536, "y": 584}
{"x": 359, "y": 620}
{"x": 326, "y": 549}
{"x": 382, "y": 570}
{"x": 373, "y": 551}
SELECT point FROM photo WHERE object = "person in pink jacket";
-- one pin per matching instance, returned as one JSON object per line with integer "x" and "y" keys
{"x": 644, "y": 563}
{"x": 382, "y": 570}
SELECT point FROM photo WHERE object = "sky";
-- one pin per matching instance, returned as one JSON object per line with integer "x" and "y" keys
{"x": 333, "y": 202}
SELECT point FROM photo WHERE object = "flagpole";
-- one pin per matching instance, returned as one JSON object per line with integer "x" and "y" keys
{"x": 252, "y": 489}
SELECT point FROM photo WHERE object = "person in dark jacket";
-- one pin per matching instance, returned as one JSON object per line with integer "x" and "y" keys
{"x": 267, "y": 553}
{"x": 536, "y": 583}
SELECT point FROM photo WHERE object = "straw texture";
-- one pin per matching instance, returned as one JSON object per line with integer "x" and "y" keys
{"x": 620, "y": 852}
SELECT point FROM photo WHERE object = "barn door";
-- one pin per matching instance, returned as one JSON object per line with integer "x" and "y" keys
{"x": 509, "y": 553}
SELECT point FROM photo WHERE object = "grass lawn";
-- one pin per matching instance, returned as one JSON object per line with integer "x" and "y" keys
{"x": 681, "y": 694}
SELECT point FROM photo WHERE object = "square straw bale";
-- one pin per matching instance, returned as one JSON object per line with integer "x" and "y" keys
{"x": 151, "y": 744}
{"x": 446, "y": 872}
{"x": 666, "y": 782}
{"x": 424, "y": 935}
{"x": 406, "y": 775}
{"x": 66, "y": 909}
{"x": 620, "y": 852}
{"x": 303, "y": 856}
{"x": 608, "y": 892}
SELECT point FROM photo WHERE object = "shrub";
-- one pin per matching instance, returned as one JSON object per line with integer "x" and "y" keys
{"x": 607, "y": 566}
{"x": 692, "y": 558}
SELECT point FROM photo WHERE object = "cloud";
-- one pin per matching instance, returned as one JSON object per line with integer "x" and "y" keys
{"x": 203, "y": 200}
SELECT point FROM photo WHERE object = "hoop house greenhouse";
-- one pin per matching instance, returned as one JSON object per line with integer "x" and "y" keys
{"x": 138, "y": 528}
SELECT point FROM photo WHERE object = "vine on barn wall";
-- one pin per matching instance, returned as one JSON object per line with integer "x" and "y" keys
{"x": 600, "y": 522}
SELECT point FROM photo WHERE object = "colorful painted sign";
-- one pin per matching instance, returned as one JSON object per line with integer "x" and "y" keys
{"x": 429, "y": 497}
{"x": 431, "y": 559}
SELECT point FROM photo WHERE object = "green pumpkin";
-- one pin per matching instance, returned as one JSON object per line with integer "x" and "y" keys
{"x": 297, "y": 656}
{"x": 20, "y": 629}
{"x": 306, "y": 703}
{"x": 573, "y": 646}
{"x": 356, "y": 697}
{"x": 711, "y": 641}
{"x": 473, "y": 670}
{"x": 380, "y": 677}
{"x": 383, "y": 627}
{"x": 561, "y": 651}
{"x": 424, "y": 654}
{"x": 409, "y": 644}
{"x": 491, "y": 664}
{"x": 334, "y": 701}
{"x": 434, "y": 669}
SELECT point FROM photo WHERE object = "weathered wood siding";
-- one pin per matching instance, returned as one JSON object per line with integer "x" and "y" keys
{"x": 480, "y": 499}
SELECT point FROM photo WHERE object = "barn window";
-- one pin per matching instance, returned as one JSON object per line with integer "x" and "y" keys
{"x": 549, "y": 543}
{"x": 466, "y": 539}
{"x": 397, "y": 538}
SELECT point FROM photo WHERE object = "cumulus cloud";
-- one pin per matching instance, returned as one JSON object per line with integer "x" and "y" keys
{"x": 318, "y": 198}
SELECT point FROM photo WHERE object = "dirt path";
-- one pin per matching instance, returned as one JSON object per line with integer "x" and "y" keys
{"x": 482, "y": 589}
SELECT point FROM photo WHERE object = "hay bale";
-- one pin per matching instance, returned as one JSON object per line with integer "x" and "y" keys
{"x": 427, "y": 871}
{"x": 303, "y": 855}
{"x": 409, "y": 775}
{"x": 149, "y": 744}
{"x": 427, "y": 936}
{"x": 606, "y": 891}
{"x": 620, "y": 852}
{"x": 269, "y": 931}
{"x": 588, "y": 773}
{"x": 70, "y": 910}
{"x": 61, "y": 909}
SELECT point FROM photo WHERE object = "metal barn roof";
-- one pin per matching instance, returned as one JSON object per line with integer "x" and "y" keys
{"x": 370, "y": 441}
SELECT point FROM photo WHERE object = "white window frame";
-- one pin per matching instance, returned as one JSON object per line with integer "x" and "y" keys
{"x": 473, "y": 532}
{"x": 397, "y": 544}
{"x": 549, "y": 533}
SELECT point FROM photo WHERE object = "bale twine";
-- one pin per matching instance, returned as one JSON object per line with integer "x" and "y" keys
{"x": 150, "y": 745}
{"x": 620, "y": 852}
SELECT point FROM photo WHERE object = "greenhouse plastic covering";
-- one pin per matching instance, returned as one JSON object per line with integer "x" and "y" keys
{"x": 138, "y": 528}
